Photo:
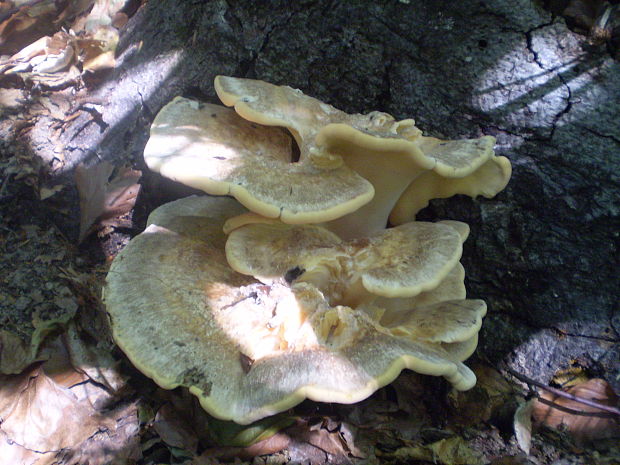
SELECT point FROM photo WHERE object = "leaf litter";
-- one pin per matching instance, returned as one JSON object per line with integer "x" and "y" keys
{"x": 53, "y": 412}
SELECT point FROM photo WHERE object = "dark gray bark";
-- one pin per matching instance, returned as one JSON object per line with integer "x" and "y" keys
{"x": 544, "y": 253}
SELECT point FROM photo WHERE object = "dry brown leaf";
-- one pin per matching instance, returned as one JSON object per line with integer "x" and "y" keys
{"x": 102, "y": 61}
{"x": 52, "y": 414}
{"x": 99, "y": 34}
{"x": 347, "y": 434}
{"x": 173, "y": 430}
{"x": 271, "y": 445}
{"x": 330, "y": 442}
{"x": 491, "y": 393}
{"x": 306, "y": 442}
{"x": 89, "y": 48}
{"x": 97, "y": 49}
{"x": 311, "y": 441}
{"x": 103, "y": 200}
{"x": 92, "y": 361}
{"x": 119, "y": 445}
{"x": 12, "y": 453}
{"x": 585, "y": 423}
{"x": 24, "y": 24}
{"x": 121, "y": 194}
{"x": 275, "y": 443}
{"x": 522, "y": 424}
{"x": 41, "y": 415}
{"x": 33, "y": 29}
{"x": 46, "y": 55}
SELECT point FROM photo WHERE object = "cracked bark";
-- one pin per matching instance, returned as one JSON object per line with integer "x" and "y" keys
{"x": 544, "y": 253}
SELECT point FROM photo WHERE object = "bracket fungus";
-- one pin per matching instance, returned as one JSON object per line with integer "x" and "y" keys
{"x": 249, "y": 348}
{"x": 303, "y": 293}
{"x": 392, "y": 155}
{"x": 353, "y": 169}
{"x": 209, "y": 147}
{"x": 397, "y": 262}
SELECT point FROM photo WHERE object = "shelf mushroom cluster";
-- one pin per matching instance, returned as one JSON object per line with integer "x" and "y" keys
{"x": 284, "y": 283}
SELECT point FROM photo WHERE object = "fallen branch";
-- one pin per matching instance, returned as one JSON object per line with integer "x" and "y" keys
{"x": 591, "y": 403}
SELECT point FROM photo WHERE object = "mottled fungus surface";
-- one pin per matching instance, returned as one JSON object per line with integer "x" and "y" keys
{"x": 295, "y": 290}
{"x": 249, "y": 348}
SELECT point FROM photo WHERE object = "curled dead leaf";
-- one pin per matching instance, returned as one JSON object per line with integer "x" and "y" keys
{"x": 48, "y": 54}
{"x": 585, "y": 423}
{"x": 41, "y": 415}
{"x": 31, "y": 32}
{"x": 52, "y": 413}
{"x": 522, "y": 424}
{"x": 271, "y": 445}
{"x": 103, "y": 199}
{"x": 173, "y": 430}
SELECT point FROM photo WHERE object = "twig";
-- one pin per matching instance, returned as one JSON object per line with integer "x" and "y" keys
{"x": 566, "y": 395}
{"x": 572, "y": 411}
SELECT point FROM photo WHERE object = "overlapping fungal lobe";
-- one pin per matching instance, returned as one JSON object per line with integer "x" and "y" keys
{"x": 249, "y": 348}
{"x": 467, "y": 167}
{"x": 397, "y": 262}
{"x": 209, "y": 147}
{"x": 407, "y": 279}
{"x": 405, "y": 168}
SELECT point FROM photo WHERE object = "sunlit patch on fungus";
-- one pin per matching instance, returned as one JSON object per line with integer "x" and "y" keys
{"x": 197, "y": 312}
